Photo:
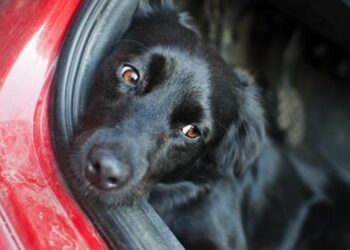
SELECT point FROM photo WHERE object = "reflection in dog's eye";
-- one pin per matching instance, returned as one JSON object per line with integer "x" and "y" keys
{"x": 130, "y": 75}
{"x": 191, "y": 131}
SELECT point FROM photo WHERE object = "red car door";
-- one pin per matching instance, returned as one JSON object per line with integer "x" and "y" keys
{"x": 35, "y": 210}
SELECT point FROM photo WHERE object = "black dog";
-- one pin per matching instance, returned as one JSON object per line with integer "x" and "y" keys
{"x": 169, "y": 120}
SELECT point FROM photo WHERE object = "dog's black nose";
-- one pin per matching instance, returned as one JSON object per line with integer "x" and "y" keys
{"x": 104, "y": 170}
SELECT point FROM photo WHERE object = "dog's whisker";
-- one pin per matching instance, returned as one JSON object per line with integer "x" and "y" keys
{"x": 222, "y": 126}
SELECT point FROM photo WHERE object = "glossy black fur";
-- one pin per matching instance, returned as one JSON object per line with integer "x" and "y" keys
{"x": 217, "y": 192}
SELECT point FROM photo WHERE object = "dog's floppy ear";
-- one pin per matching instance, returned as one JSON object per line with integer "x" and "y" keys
{"x": 186, "y": 20}
{"x": 241, "y": 144}
{"x": 149, "y": 7}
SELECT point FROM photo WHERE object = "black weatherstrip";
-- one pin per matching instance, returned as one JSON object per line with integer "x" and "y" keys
{"x": 98, "y": 25}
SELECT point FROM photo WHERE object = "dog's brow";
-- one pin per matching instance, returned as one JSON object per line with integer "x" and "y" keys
{"x": 155, "y": 71}
{"x": 188, "y": 111}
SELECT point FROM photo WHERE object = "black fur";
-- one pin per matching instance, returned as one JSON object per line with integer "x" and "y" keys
{"x": 219, "y": 191}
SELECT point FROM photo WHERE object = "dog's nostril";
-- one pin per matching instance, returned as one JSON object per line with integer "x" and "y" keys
{"x": 113, "y": 180}
{"x": 96, "y": 167}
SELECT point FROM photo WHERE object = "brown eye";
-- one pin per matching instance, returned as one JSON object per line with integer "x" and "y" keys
{"x": 191, "y": 131}
{"x": 130, "y": 75}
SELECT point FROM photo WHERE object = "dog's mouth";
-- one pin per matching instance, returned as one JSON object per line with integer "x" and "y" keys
{"x": 176, "y": 175}
{"x": 118, "y": 196}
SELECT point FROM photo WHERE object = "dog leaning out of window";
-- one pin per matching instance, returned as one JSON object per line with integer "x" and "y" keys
{"x": 170, "y": 121}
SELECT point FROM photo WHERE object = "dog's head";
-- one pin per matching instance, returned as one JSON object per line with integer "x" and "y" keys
{"x": 162, "y": 102}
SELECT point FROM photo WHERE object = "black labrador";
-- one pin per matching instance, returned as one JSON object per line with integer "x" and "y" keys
{"x": 171, "y": 121}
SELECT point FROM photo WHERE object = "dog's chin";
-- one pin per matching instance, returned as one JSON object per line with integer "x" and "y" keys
{"x": 125, "y": 196}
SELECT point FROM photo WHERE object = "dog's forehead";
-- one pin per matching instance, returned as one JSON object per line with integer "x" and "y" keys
{"x": 185, "y": 78}
{"x": 188, "y": 76}
{"x": 184, "y": 69}
{"x": 183, "y": 61}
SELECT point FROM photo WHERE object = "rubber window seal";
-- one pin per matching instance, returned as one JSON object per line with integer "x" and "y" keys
{"x": 96, "y": 28}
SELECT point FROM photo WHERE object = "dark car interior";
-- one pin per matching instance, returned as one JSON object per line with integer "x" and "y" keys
{"x": 298, "y": 51}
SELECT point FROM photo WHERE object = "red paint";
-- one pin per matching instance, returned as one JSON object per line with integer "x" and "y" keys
{"x": 36, "y": 212}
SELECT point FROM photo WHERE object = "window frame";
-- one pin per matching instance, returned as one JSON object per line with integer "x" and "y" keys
{"x": 97, "y": 26}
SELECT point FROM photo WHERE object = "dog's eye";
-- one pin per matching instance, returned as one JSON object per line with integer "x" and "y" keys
{"x": 191, "y": 131}
{"x": 130, "y": 75}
